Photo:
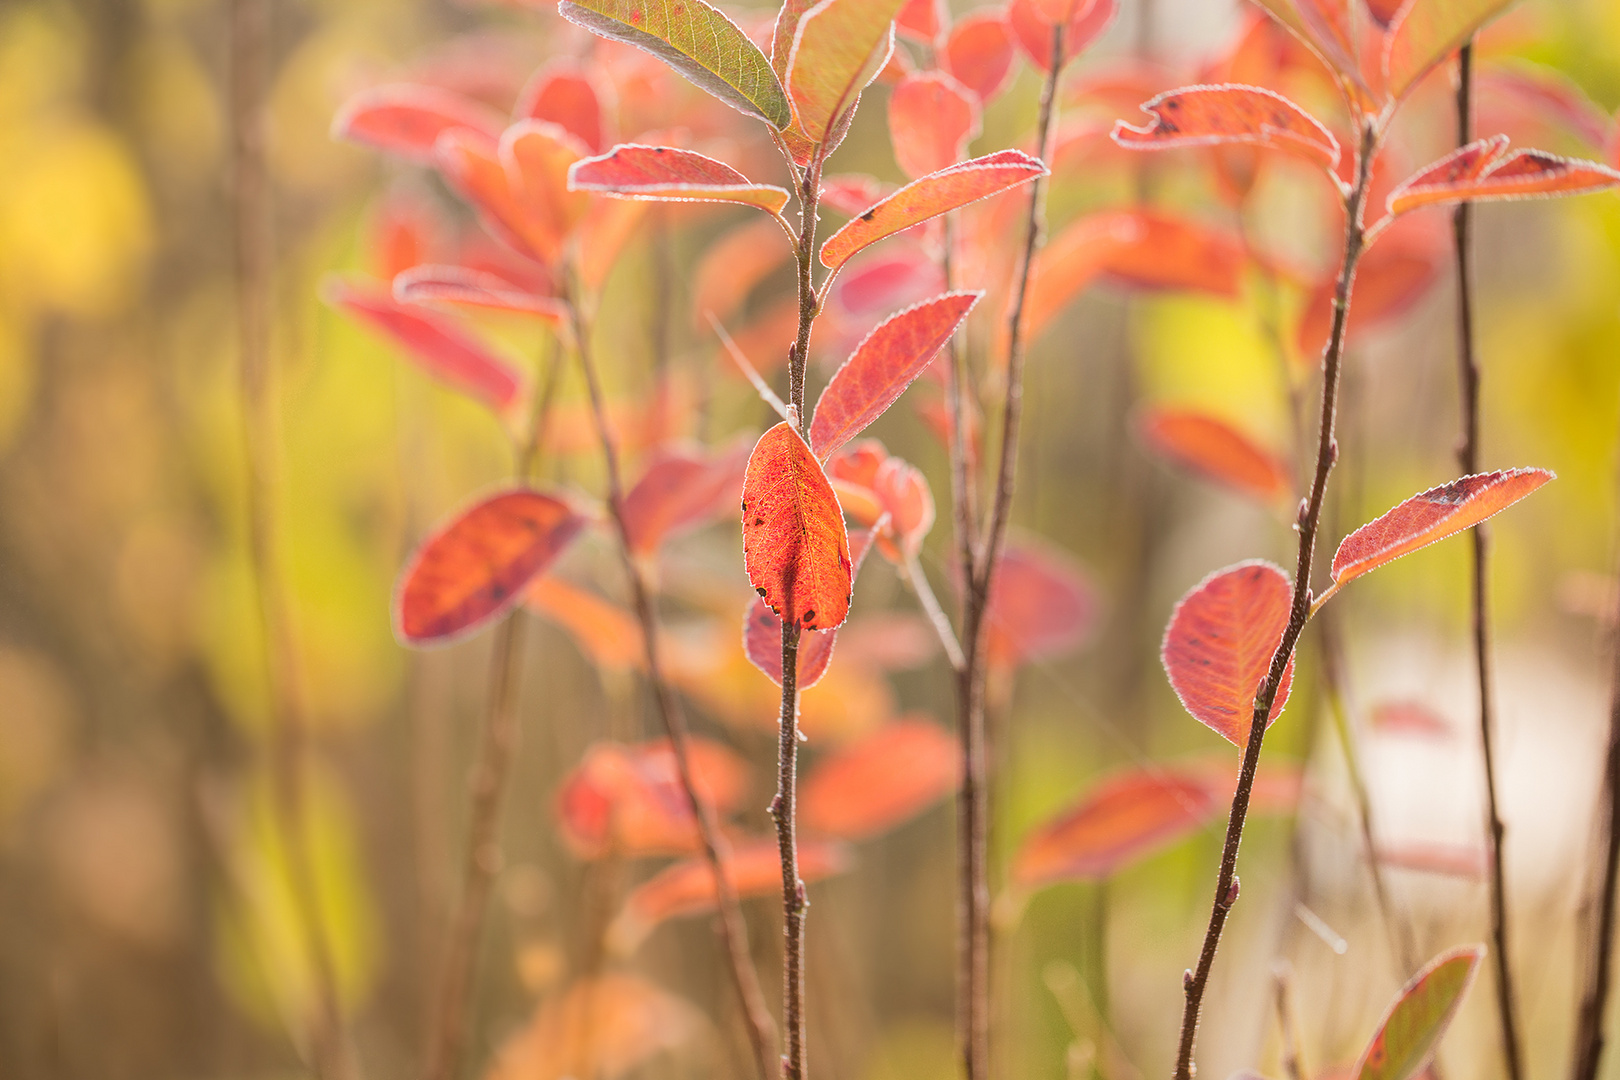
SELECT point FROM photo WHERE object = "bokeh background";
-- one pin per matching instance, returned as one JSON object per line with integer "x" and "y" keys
{"x": 147, "y": 923}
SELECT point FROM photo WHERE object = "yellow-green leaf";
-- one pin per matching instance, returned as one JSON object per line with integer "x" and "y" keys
{"x": 1419, "y": 1016}
{"x": 838, "y": 47}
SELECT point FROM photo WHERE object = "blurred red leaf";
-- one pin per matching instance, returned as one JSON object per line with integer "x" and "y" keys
{"x": 1409, "y": 718}
{"x": 666, "y": 173}
{"x": 1471, "y": 862}
{"x": 794, "y": 545}
{"x": 1432, "y": 515}
{"x": 932, "y": 118}
{"x": 1483, "y": 170}
{"x": 929, "y": 197}
{"x": 1072, "y": 260}
{"x": 733, "y": 265}
{"x": 431, "y": 283}
{"x": 473, "y": 170}
{"x": 762, "y": 633}
{"x": 1219, "y": 643}
{"x": 1213, "y": 448}
{"x": 407, "y": 119}
{"x": 565, "y": 93}
{"x": 476, "y": 566}
{"x": 1034, "y": 31}
{"x": 852, "y": 193}
{"x": 538, "y": 157}
{"x": 628, "y": 800}
{"x": 1177, "y": 253}
{"x": 870, "y": 786}
{"x": 603, "y": 1026}
{"x": 1545, "y": 94}
{"x": 1395, "y": 274}
{"x": 979, "y": 51}
{"x": 922, "y": 19}
{"x": 1211, "y": 115}
{"x": 1419, "y": 1016}
{"x": 681, "y": 489}
{"x": 882, "y": 366}
{"x": 404, "y": 232}
{"x": 602, "y": 234}
{"x": 903, "y": 493}
{"x": 1124, "y": 818}
{"x": 439, "y": 345}
{"x": 1041, "y": 605}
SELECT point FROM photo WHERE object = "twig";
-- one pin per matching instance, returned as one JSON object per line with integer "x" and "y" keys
{"x": 733, "y": 930}
{"x": 1288, "y": 1025}
{"x": 1226, "y": 886}
{"x": 329, "y": 1048}
{"x": 913, "y": 573}
{"x": 1468, "y": 458}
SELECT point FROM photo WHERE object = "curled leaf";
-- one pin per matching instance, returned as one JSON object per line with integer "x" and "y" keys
{"x": 883, "y": 779}
{"x": 794, "y": 545}
{"x": 668, "y": 174}
{"x": 1215, "y": 449}
{"x": 1419, "y": 1016}
{"x": 1483, "y": 170}
{"x": 1225, "y": 114}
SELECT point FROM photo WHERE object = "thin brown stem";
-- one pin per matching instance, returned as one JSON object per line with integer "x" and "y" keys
{"x": 1196, "y": 981}
{"x": 1288, "y": 1025}
{"x": 733, "y": 931}
{"x": 1468, "y": 459}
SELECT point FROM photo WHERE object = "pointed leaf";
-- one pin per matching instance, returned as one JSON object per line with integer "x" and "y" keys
{"x": 1125, "y": 818}
{"x": 1419, "y": 1016}
{"x": 1469, "y": 175}
{"x": 794, "y": 545}
{"x": 681, "y": 490}
{"x": 979, "y": 52}
{"x": 884, "y": 779}
{"x": 839, "y": 47}
{"x": 1425, "y": 32}
{"x": 1219, "y": 643}
{"x": 882, "y": 366}
{"x": 476, "y": 566}
{"x": 929, "y": 197}
{"x": 1034, "y": 31}
{"x": 1213, "y": 115}
{"x": 432, "y": 283}
{"x": 1215, "y": 449}
{"x": 1432, "y": 515}
{"x": 407, "y": 119}
{"x": 932, "y": 118}
{"x": 696, "y": 40}
{"x": 664, "y": 173}
{"x": 762, "y": 633}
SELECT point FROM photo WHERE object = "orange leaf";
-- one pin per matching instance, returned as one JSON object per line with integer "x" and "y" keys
{"x": 762, "y": 634}
{"x": 407, "y": 119}
{"x": 687, "y": 888}
{"x": 668, "y": 174}
{"x": 851, "y": 193}
{"x": 733, "y": 265}
{"x": 606, "y": 633}
{"x": 603, "y": 1026}
{"x": 1420, "y": 1014}
{"x": 538, "y": 157}
{"x": 681, "y": 490}
{"x": 1216, "y": 450}
{"x": 564, "y": 93}
{"x": 794, "y": 545}
{"x": 433, "y": 283}
{"x": 1432, "y": 515}
{"x": 880, "y": 781}
{"x": 1211, "y": 115}
{"x": 1072, "y": 260}
{"x": 1479, "y": 171}
{"x": 929, "y": 197}
{"x": 882, "y": 366}
{"x": 628, "y": 800}
{"x": 1395, "y": 274}
{"x": 439, "y": 345}
{"x": 932, "y": 118}
{"x": 1219, "y": 643}
{"x": 1425, "y": 32}
{"x": 404, "y": 231}
{"x": 922, "y": 19}
{"x": 839, "y": 46}
{"x": 979, "y": 52}
{"x": 903, "y": 493}
{"x": 1034, "y": 31}
{"x": 1041, "y": 605}
{"x": 1124, "y": 818}
{"x": 1177, "y": 253}
{"x": 472, "y": 168}
{"x": 476, "y": 567}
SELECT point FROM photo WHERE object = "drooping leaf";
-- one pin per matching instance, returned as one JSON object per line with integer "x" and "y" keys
{"x": 882, "y": 366}
{"x": 565, "y": 93}
{"x": 1225, "y": 114}
{"x": 1126, "y": 817}
{"x": 407, "y": 119}
{"x": 1421, "y": 1013}
{"x": 1213, "y": 448}
{"x": 698, "y": 41}
{"x": 477, "y": 565}
{"x": 433, "y": 283}
{"x": 1041, "y": 605}
{"x": 606, "y": 1026}
{"x": 687, "y": 888}
{"x": 1432, "y": 515}
{"x": 794, "y": 545}
{"x": 1034, "y": 31}
{"x": 929, "y": 197}
{"x": 1483, "y": 170}
{"x": 439, "y": 345}
{"x": 839, "y": 46}
{"x": 682, "y": 489}
{"x": 870, "y": 786}
{"x": 762, "y": 633}
{"x": 979, "y": 52}
{"x": 627, "y": 800}
{"x": 664, "y": 173}
{"x": 1219, "y": 644}
{"x": 1425, "y": 32}
{"x": 932, "y": 118}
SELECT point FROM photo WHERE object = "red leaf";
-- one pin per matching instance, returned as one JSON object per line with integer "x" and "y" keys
{"x": 979, "y": 52}
{"x": 439, "y": 345}
{"x": 1041, "y": 605}
{"x": 628, "y": 800}
{"x": 564, "y": 93}
{"x": 1177, "y": 253}
{"x": 407, "y": 119}
{"x": 404, "y": 231}
{"x": 1471, "y": 862}
{"x": 1072, "y": 260}
{"x": 1034, "y": 32}
{"x": 922, "y": 19}
{"x": 682, "y": 489}
{"x": 733, "y": 265}
{"x": 888, "y": 777}
{"x": 538, "y": 157}
{"x": 1432, "y": 515}
{"x": 1214, "y": 115}
{"x": 431, "y": 283}
{"x": 754, "y": 868}
{"x": 932, "y": 118}
{"x": 794, "y": 545}
{"x": 929, "y": 197}
{"x": 474, "y": 171}
{"x": 1479, "y": 172}
{"x": 1542, "y": 95}
{"x": 852, "y": 193}
{"x": 668, "y": 174}
{"x": 903, "y": 493}
{"x": 1216, "y": 450}
{"x": 1418, "y": 1017}
{"x": 476, "y": 567}
{"x": 882, "y": 366}
{"x": 762, "y": 634}
{"x": 1395, "y": 274}
{"x": 1124, "y": 818}
{"x": 1219, "y": 643}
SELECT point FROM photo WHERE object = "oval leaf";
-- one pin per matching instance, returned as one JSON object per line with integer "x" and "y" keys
{"x": 979, "y": 52}
{"x": 1432, "y": 515}
{"x": 1425, "y": 32}
{"x": 1124, "y": 818}
{"x": 1420, "y": 1015}
{"x": 407, "y": 119}
{"x": 1034, "y": 31}
{"x": 476, "y": 567}
{"x": 762, "y": 633}
{"x": 1215, "y": 449}
{"x": 666, "y": 174}
{"x": 882, "y": 366}
{"x": 929, "y": 197}
{"x": 886, "y": 778}
{"x": 839, "y": 46}
{"x": 1041, "y": 605}
{"x": 932, "y": 118}
{"x": 1219, "y": 644}
{"x": 564, "y": 93}
{"x": 681, "y": 490}
{"x": 794, "y": 545}
{"x": 696, "y": 40}
{"x": 1211, "y": 115}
